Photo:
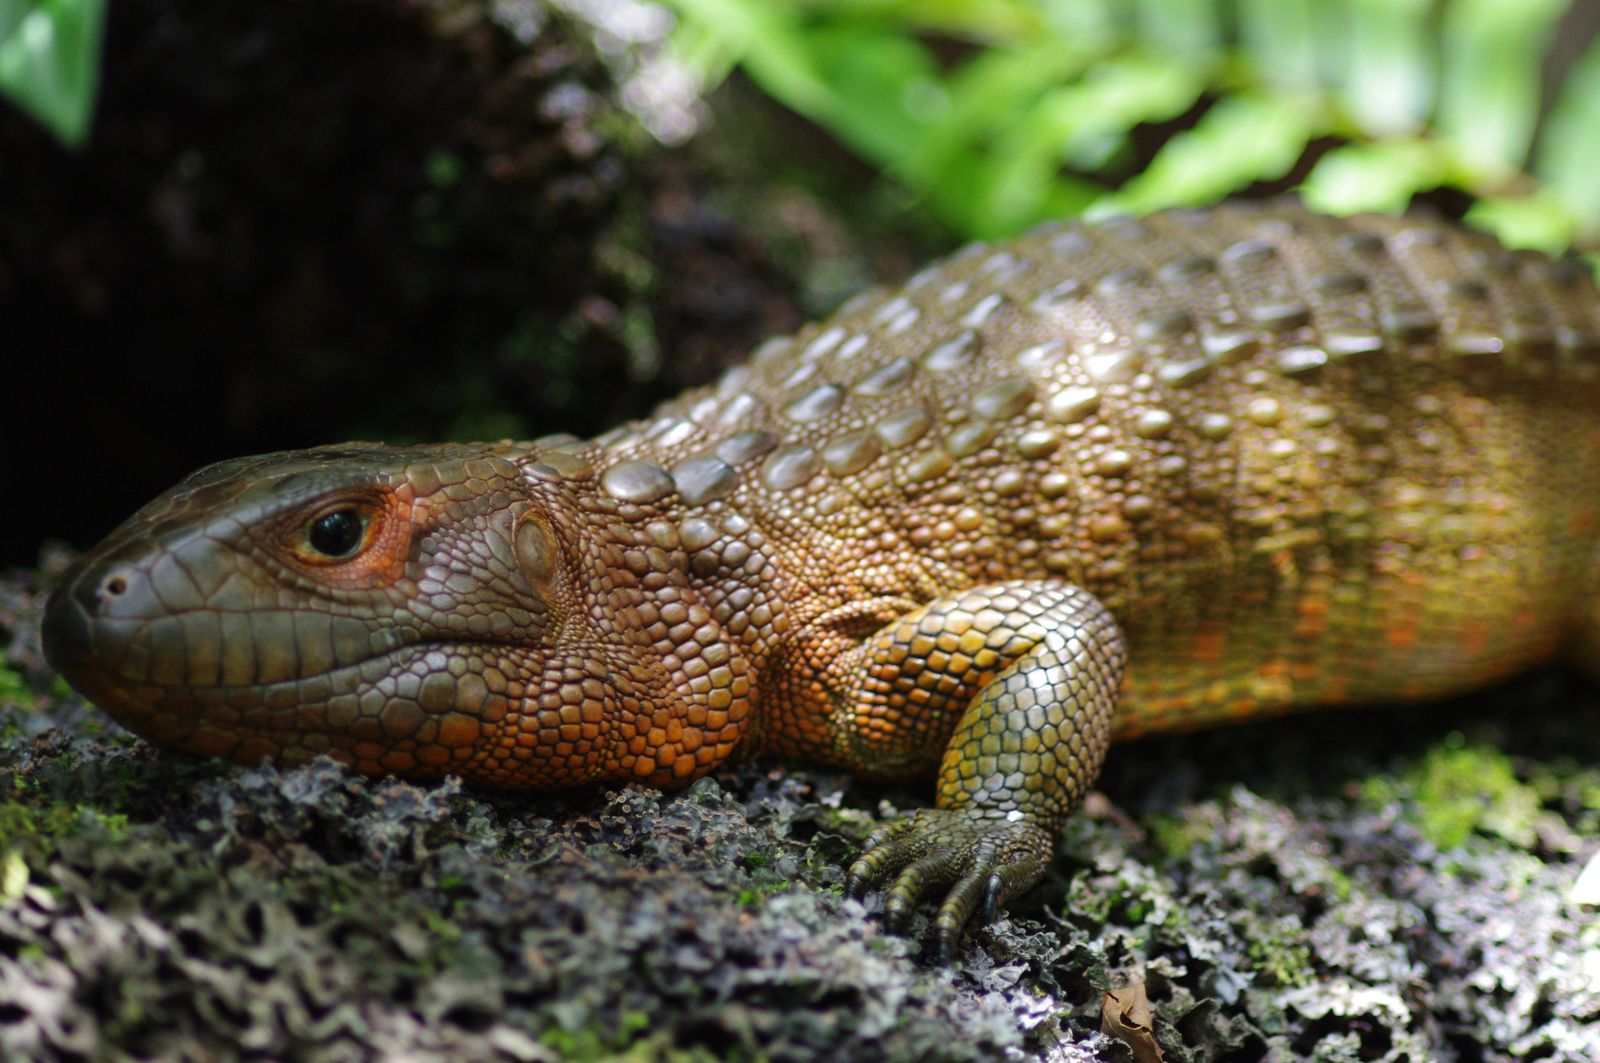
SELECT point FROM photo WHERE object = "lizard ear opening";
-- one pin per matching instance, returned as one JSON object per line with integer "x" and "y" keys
{"x": 535, "y": 549}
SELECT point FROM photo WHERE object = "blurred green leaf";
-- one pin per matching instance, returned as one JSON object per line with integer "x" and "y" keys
{"x": 994, "y": 20}
{"x": 998, "y": 113}
{"x": 1080, "y": 125}
{"x": 1389, "y": 74}
{"x": 1489, "y": 96}
{"x": 1381, "y": 176}
{"x": 1182, "y": 27}
{"x": 1537, "y": 221}
{"x": 1243, "y": 139}
{"x": 50, "y": 61}
{"x": 986, "y": 94}
{"x": 1089, "y": 22}
{"x": 1096, "y": 116}
{"x": 1569, "y": 149}
{"x": 876, "y": 85}
{"x": 959, "y": 154}
{"x": 1283, "y": 34}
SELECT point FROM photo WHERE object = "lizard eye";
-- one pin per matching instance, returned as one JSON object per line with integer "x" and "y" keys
{"x": 355, "y": 538}
{"x": 337, "y": 536}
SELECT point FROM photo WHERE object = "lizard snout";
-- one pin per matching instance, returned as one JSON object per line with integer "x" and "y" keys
{"x": 89, "y": 617}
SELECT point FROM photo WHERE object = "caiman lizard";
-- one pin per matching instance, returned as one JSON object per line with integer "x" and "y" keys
{"x": 1097, "y": 482}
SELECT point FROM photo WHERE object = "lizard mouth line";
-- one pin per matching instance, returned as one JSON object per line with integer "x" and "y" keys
{"x": 83, "y": 669}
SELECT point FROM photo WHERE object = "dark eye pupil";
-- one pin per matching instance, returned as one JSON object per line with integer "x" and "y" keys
{"x": 336, "y": 534}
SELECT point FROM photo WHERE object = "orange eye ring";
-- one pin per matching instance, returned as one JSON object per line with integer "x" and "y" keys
{"x": 337, "y": 533}
{"x": 352, "y": 540}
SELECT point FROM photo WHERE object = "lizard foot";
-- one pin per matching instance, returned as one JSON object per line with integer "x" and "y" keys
{"x": 982, "y": 857}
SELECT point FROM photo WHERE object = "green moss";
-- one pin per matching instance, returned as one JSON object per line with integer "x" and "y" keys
{"x": 29, "y": 833}
{"x": 22, "y": 822}
{"x": 1133, "y": 894}
{"x": 1174, "y": 835}
{"x": 659, "y": 1049}
{"x": 852, "y": 823}
{"x": 753, "y": 896}
{"x": 13, "y": 876}
{"x": 1281, "y": 952}
{"x": 1086, "y": 900}
{"x": 15, "y": 689}
{"x": 444, "y": 169}
{"x": 1458, "y": 789}
{"x": 1339, "y": 885}
{"x": 604, "y": 1043}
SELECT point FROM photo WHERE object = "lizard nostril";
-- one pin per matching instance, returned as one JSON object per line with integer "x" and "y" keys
{"x": 96, "y": 595}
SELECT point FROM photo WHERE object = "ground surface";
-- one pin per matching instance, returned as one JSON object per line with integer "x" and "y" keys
{"x": 1355, "y": 886}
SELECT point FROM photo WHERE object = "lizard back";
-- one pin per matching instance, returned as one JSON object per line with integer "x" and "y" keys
{"x": 1301, "y": 459}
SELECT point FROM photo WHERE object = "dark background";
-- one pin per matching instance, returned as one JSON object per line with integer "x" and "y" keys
{"x": 309, "y": 221}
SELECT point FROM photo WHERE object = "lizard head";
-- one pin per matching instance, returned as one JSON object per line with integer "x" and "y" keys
{"x": 402, "y": 609}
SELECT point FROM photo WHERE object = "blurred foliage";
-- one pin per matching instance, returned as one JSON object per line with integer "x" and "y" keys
{"x": 1460, "y": 788}
{"x": 1000, "y": 113}
{"x": 50, "y": 61}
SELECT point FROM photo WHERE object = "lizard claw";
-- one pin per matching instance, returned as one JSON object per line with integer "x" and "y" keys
{"x": 978, "y": 859}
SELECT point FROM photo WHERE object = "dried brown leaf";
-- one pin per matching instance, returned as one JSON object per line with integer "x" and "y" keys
{"x": 1125, "y": 1014}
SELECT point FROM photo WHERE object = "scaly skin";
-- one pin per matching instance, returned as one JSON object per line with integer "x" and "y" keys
{"x": 1269, "y": 459}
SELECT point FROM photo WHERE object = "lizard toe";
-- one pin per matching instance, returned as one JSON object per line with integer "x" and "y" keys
{"x": 979, "y": 859}
{"x": 880, "y": 858}
{"x": 933, "y": 872}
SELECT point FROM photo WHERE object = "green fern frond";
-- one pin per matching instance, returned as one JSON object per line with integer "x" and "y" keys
{"x": 1047, "y": 109}
{"x": 50, "y": 61}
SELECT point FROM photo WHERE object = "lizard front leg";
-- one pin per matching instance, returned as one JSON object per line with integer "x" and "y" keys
{"x": 1010, "y": 687}
{"x": 1027, "y": 673}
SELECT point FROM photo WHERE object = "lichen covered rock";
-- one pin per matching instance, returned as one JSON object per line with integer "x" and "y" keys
{"x": 1320, "y": 888}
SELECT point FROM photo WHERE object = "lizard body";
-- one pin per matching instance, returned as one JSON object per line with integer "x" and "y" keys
{"x": 1098, "y": 482}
